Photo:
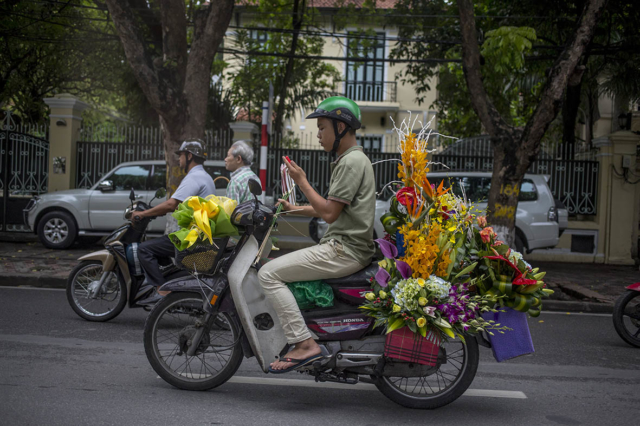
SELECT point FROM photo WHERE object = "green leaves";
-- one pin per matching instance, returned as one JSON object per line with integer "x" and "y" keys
{"x": 311, "y": 80}
{"x": 394, "y": 325}
{"x": 466, "y": 270}
{"x": 505, "y": 47}
{"x": 390, "y": 223}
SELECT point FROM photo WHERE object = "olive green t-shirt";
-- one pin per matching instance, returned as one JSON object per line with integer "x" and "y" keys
{"x": 353, "y": 184}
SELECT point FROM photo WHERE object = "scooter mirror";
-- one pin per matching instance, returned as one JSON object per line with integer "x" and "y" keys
{"x": 254, "y": 187}
{"x": 160, "y": 193}
{"x": 132, "y": 195}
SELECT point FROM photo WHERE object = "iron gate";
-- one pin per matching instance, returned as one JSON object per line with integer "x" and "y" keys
{"x": 24, "y": 169}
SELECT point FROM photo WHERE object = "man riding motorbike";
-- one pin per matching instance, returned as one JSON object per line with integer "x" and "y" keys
{"x": 196, "y": 182}
{"x": 347, "y": 246}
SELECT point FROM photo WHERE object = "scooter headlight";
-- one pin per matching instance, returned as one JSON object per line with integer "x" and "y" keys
{"x": 116, "y": 235}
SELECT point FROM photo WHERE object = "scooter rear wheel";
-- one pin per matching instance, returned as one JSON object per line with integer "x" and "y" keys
{"x": 626, "y": 317}
{"x": 104, "y": 306}
{"x": 443, "y": 386}
{"x": 168, "y": 332}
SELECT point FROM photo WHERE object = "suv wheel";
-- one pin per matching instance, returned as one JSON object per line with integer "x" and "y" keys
{"x": 519, "y": 244}
{"x": 57, "y": 230}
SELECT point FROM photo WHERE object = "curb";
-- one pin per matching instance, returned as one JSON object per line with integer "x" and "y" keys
{"x": 27, "y": 280}
{"x": 586, "y": 307}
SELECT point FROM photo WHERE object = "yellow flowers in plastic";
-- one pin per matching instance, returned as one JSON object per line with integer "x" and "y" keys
{"x": 203, "y": 218}
{"x": 227, "y": 204}
{"x": 202, "y": 212}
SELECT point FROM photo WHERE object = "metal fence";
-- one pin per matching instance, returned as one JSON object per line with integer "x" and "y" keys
{"x": 101, "y": 149}
{"x": 481, "y": 146}
{"x": 316, "y": 164}
{"x": 24, "y": 168}
{"x": 574, "y": 182}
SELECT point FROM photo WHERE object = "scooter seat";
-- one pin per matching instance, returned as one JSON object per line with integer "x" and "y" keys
{"x": 358, "y": 279}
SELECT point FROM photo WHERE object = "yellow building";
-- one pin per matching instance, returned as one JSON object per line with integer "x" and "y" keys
{"x": 371, "y": 84}
{"x": 612, "y": 233}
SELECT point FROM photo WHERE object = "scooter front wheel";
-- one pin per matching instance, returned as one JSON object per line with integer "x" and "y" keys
{"x": 456, "y": 369}
{"x": 105, "y": 304}
{"x": 169, "y": 332}
{"x": 626, "y": 317}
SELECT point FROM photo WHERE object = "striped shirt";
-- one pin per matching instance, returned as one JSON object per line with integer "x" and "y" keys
{"x": 238, "y": 188}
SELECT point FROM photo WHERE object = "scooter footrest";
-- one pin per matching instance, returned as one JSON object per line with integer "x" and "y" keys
{"x": 342, "y": 378}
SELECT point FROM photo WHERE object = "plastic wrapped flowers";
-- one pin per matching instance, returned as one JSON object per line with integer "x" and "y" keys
{"x": 401, "y": 298}
{"x": 203, "y": 219}
{"x": 503, "y": 272}
{"x": 443, "y": 268}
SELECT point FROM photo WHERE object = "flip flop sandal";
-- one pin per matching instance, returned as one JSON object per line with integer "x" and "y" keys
{"x": 298, "y": 363}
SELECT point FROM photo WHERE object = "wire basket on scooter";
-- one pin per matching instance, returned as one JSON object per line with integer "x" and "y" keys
{"x": 202, "y": 257}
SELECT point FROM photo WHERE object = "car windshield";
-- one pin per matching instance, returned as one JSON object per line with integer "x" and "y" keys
{"x": 476, "y": 188}
{"x": 159, "y": 176}
{"x": 130, "y": 177}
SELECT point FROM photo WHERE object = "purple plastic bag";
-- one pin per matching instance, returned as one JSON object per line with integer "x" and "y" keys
{"x": 513, "y": 343}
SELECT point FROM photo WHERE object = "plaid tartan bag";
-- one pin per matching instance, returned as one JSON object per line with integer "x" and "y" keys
{"x": 405, "y": 345}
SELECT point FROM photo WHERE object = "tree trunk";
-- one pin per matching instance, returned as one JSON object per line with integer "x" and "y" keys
{"x": 297, "y": 16}
{"x": 570, "y": 108}
{"x": 514, "y": 149}
{"x": 177, "y": 83}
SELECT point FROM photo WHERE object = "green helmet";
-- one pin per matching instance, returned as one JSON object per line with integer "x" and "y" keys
{"x": 341, "y": 109}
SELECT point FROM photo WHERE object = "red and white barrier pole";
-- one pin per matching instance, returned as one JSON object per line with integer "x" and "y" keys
{"x": 263, "y": 149}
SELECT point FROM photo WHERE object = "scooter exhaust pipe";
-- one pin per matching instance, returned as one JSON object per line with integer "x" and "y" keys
{"x": 356, "y": 359}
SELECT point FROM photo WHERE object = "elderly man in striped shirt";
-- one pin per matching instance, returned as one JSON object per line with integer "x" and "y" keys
{"x": 238, "y": 162}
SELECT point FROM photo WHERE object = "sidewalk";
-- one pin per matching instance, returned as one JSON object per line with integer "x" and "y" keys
{"x": 24, "y": 261}
{"x": 578, "y": 287}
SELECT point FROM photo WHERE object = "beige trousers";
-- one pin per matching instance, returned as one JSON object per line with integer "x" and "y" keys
{"x": 313, "y": 263}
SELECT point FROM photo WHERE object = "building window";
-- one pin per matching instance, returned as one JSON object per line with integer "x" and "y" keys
{"x": 365, "y": 80}
{"x": 370, "y": 143}
{"x": 260, "y": 37}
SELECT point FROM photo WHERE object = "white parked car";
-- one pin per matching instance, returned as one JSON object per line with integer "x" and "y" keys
{"x": 59, "y": 218}
{"x": 540, "y": 220}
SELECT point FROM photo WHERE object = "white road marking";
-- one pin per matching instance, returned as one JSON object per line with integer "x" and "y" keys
{"x": 487, "y": 393}
{"x": 583, "y": 314}
{"x": 32, "y": 288}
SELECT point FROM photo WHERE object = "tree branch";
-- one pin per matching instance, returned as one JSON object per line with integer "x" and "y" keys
{"x": 298, "y": 12}
{"x": 174, "y": 39}
{"x": 150, "y": 19}
{"x": 551, "y": 97}
{"x": 136, "y": 50}
{"x": 482, "y": 105}
{"x": 210, "y": 25}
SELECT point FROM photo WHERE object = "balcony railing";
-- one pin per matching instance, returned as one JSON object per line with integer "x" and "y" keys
{"x": 371, "y": 91}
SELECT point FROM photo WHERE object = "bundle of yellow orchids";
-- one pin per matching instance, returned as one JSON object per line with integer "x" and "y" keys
{"x": 203, "y": 219}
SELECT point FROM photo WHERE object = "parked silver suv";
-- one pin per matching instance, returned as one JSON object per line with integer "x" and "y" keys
{"x": 59, "y": 218}
{"x": 540, "y": 220}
